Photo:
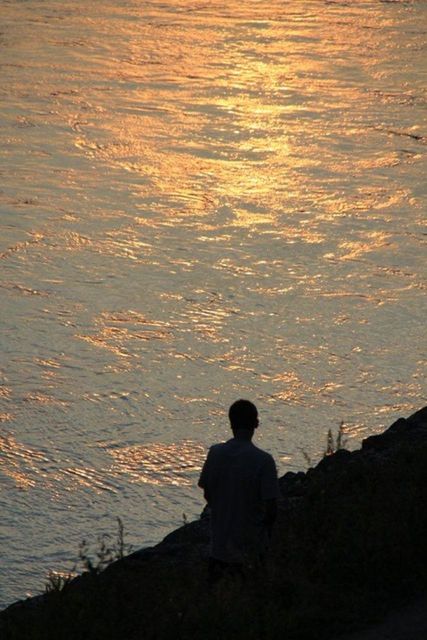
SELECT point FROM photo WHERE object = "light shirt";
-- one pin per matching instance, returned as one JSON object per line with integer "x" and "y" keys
{"x": 238, "y": 477}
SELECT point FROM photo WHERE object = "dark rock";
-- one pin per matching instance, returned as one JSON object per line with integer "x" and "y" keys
{"x": 293, "y": 484}
{"x": 332, "y": 462}
{"x": 402, "y": 431}
{"x": 419, "y": 418}
{"x": 400, "y": 426}
{"x": 379, "y": 443}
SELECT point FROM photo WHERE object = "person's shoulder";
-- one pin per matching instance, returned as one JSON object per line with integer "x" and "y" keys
{"x": 263, "y": 455}
{"x": 217, "y": 448}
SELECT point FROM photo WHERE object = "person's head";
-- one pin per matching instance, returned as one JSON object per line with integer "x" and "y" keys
{"x": 243, "y": 416}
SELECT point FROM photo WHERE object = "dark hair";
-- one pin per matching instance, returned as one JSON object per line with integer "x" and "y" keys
{"x": 243, "y": 414}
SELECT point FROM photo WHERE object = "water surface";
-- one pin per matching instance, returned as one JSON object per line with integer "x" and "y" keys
{"x": 200, "y": 201}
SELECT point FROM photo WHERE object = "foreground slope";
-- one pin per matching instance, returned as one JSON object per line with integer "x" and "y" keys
{"x": 349, "y": 546}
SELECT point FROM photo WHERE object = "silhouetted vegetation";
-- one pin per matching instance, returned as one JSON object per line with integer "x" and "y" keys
{"x": 91, "y": 560}
{"x": 333, "y": 444}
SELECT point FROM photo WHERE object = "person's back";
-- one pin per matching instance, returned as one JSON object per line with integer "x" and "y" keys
{"x": 240, "y": 485}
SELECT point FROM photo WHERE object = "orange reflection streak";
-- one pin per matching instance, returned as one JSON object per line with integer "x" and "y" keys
{"x": 19, "y": 462}
{"x": 78, "y": 477}
{"x": 208, "y": 313}
{"x": 28, "y": 467}
{"x": 159, "y": 464}
{"x": 225, "y": 104}
{"x": 43, "y": 398}
{"x": 354, "y": 249}
{"x": 374, "y": 240}
{"x": 118, "y": 330}
{"x": 294, "y": 389}
{"x": 245, "y": 110}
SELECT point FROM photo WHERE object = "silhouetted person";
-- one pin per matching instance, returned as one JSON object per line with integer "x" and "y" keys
{"x": 240, "y": 486}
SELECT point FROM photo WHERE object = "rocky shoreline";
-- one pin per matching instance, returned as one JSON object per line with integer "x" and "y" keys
{"x": 350, "y": 544}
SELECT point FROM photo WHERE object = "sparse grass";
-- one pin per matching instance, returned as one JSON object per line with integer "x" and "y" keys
{"x": 106, "y": 553}
{"x": 333, "y": 444}
{"x": 56, "y": 580}
{"x": 91, "y": 561}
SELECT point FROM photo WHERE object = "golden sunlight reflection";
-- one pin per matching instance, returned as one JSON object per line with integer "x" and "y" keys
{"x": 44, "y": 399}
{"x": 158, "y": 463}
{"x": 28, "y": 468}
{"x": 86, "y": 477}
{"x": 243, "y": 117}
{"x": 20, "y": 463}
{"x": 245, "y": 114}
{"x": 117, "y": 331}
{"x": 354, "y": 249}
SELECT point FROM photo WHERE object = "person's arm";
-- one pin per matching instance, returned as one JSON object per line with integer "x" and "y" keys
{"x": 203, "y": 480}
{"x": 269, "y": 494}
{"x": 206, "y": 495}
{"x": 270, "y": 510}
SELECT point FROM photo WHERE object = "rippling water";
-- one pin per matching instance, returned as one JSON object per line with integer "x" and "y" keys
{"x": 199, "y": 201}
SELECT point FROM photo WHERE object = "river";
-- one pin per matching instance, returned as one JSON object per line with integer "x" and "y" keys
{"x": 200, "y": 201}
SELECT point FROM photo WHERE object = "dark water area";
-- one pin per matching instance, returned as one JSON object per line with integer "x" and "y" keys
{"x": 199, "y": 201}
